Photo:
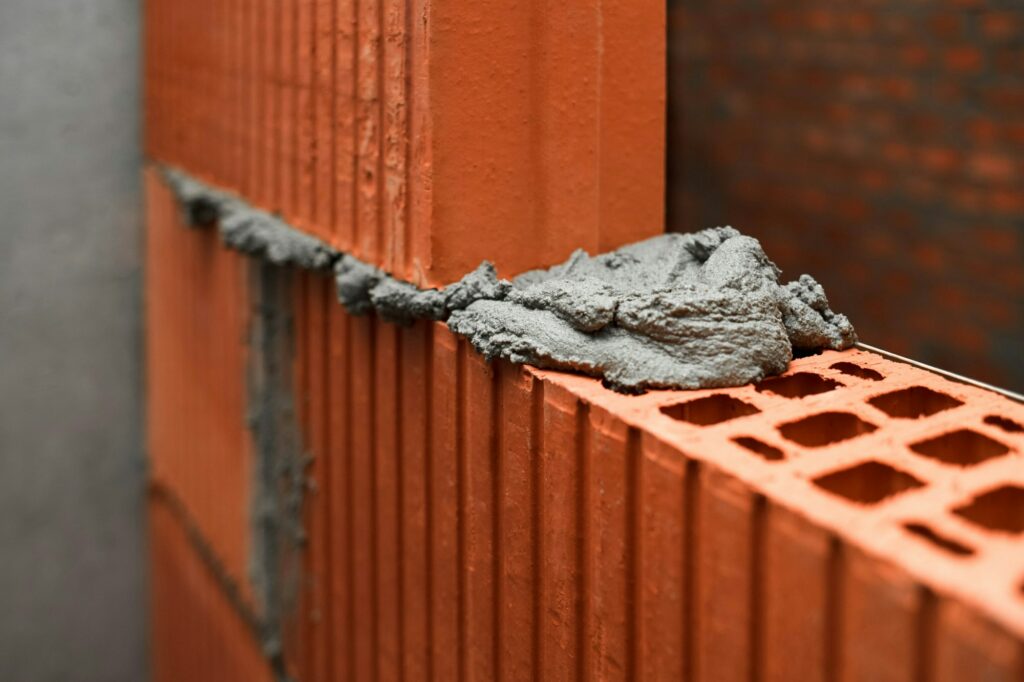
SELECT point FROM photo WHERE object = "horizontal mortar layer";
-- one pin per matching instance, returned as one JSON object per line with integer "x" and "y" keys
{"x": 494, "y": 521}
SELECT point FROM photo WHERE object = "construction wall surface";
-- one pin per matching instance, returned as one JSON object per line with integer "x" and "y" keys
{"x": 71, "y": 603}
{"x": 335, "y": 497}
{"x": 878, "y": 146}
{"x": 855, "y": 519}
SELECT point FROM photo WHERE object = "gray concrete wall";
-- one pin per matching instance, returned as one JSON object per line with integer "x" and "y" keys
{"x": 72, "y": 599}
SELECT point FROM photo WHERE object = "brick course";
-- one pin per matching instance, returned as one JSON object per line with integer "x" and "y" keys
{"x": 403, "y": 131}
{"x": 878, "y": 147}
{"x": 486, "y": 518}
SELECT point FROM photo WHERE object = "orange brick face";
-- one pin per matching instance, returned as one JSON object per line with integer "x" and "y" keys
{"x": 197, "y": 633}
{"x": 877, "y": 492}
{"x": 197, "y": 329}
{"x": 469, "y": 519}
{"x": 352, "y": 120}
{"x": 487, "y": 518}
{"x": 877, "y": 148}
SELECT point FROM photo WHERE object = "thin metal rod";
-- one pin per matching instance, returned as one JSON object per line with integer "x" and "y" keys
{"x": 949, "y": 375}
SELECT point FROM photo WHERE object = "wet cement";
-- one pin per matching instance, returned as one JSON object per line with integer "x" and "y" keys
{"x": 677, "y": 311}
{"x": 245, "y": 228}
{"x": 281, "y": 462}
{"x": 696, "y": 310}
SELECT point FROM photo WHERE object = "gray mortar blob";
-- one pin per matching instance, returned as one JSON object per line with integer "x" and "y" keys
{"x": 245, "y": 228}
{"x": 353, "y": 280}
{"x": 261, "y": 234}
{"x": 363, "y": 288}
{"x": 699, "y": 310}
{"x": 482, "y": 283}
{"x": 403, "y": 303}
{"x": 200, "y": 205}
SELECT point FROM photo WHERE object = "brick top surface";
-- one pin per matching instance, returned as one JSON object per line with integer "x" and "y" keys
{"x": 921, "y": 471}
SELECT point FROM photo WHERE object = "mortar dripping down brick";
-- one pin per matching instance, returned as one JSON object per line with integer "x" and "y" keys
{"x": 700, "y": 310}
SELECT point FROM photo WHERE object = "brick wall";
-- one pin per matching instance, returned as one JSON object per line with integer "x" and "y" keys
{"x": 879, "y": 146}
{"x": 336, "y": 497}
{"x": 467, "y": 520}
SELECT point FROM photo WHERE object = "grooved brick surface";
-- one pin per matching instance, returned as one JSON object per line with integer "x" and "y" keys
{"x": 352, "y": 120}
{"x": 473, "y": 519}
{"x": 196, "y": 633}
{"x": 850, "y": 494}
{"x": 197, "y": 328}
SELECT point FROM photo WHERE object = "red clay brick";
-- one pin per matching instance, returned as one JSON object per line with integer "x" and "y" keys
{"x": 357, "y": 128}
{"x": 847, "y": 520}
{"x": 878, "y": 128}
{"x": 486, "y": 520}
{"x": 609, "y": 550}
{"x": 196, "y": 632}
{"x": 196, "y": 353}
{"x": 415, "y": 429}
{"x": 664, "y": 549}
{"x": 518, "y": 572}
{"x": 512, "y": 519}
{"x": 795, "y": 569}
{"x": 992, "y": 167}
{"x": 563, "y": 456}
{"x": 997, "y": 25}
{"x": 446, "y": 372}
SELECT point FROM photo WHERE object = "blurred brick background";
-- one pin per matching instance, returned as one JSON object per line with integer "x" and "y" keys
{"x": 878, "y": 145}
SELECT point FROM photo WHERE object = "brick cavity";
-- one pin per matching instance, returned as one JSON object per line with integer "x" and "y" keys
{"x": 825, "y": 428}
{"x": 963, "y": 447}
{"x": 868, "y": 483}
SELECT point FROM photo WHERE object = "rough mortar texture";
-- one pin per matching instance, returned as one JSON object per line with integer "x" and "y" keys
{"x": 693, "y": 310}
{"x": 275, "y": 565}
{"x": 676, "y": 311}
{"x": 245, "y": 228}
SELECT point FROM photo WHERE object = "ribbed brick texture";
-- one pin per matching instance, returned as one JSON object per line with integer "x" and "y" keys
{"x": 404, "y": 130}
{"x": 878, "y": 146}
{"x": 197, "y": 633}
{"x": 854, "y": 519}
{"x": 197, "y": 338}
{"x": 863, "y": 513}
{"x": 500, "y": 521}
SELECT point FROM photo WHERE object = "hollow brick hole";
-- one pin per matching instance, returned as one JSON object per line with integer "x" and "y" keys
{"x": 1003, "y": 423}
{"x": 914, "y": 402}
{"x": 712, "y": 409}
{"x": 942, "y": 542}
{"x": 854, "y": 370}
{"x": 766, "y": 451}
{"x": 798, "y": 385}
{"x": 825, "y": 428}
{"x": 962, "y": 447}
{"x": 1000, "y": 509}
{"x": 868, "y": 483}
